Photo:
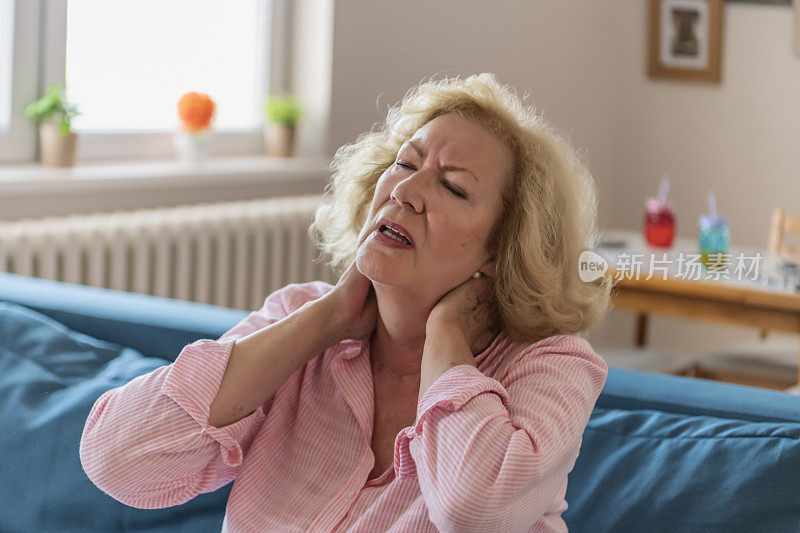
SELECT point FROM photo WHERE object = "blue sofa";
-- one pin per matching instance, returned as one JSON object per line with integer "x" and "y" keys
{"x": 660, "y": 453}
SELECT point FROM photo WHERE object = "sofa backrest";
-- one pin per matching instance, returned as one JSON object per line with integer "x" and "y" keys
{"x": 157, "y": 327}
{"x": 670, "y": 453}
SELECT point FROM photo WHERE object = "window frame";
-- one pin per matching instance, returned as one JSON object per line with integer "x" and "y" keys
{"x": 19, "y": 49}
{"x": 40, "y": 38}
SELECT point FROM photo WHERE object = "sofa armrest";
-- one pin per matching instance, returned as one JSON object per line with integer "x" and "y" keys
{"x": 157, "y": 327}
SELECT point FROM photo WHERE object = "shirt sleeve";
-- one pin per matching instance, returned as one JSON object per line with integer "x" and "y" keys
{"x": 148, "y": 443}
{"x": 492, "y": 456}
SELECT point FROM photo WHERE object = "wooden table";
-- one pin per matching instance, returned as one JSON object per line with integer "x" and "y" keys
{"x": 726, "y": 302}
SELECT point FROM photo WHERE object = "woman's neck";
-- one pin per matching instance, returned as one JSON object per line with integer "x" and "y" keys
{"x": 397, "y": 343}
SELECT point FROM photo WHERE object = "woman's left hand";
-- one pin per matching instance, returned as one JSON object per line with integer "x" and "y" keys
{"x": 470, "y": 308}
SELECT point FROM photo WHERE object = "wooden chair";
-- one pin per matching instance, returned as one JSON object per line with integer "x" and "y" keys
{"x": 783, "y": 224}
{"x": 758, "y": 366}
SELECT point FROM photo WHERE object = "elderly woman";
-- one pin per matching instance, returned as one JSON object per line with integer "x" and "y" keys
{"x": 440, "y": 384}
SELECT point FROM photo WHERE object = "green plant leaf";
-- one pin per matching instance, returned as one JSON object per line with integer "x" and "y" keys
{"x": 53, "y": 103}
{"x": 282, "y": 109}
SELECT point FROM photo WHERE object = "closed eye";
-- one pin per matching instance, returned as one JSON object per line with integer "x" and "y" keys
{"x": 453, "y": 190}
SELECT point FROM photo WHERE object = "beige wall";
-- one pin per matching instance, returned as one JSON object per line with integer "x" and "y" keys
{"x": 584, "y": 65}
{"x": 548, "y": 48}
{"x": 740, "y": 138}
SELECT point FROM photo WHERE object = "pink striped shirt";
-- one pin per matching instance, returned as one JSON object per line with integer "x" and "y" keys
{"x": 490, "y": 449}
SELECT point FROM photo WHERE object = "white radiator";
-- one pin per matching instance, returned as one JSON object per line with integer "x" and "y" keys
{"x": 231, "y": 254}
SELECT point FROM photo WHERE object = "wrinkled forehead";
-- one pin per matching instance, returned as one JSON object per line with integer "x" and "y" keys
{"x": 464, "y": 143}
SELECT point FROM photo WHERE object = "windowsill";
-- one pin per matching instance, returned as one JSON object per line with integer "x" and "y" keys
{"x": 169, "y": 173}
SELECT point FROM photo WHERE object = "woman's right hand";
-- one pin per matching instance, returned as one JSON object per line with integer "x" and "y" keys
{"x": 352, "y": 305}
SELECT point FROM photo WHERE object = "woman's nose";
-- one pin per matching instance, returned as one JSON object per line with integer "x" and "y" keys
{"x": 410, "y": 191}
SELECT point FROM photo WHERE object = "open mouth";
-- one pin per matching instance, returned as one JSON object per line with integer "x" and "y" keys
{"x": 389, "y": 232}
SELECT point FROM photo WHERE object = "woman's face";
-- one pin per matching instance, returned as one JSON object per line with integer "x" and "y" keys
{"x": 447, "y": 212}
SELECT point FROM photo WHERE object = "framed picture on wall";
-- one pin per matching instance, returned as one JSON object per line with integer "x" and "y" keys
{"x": 685, "y": 40}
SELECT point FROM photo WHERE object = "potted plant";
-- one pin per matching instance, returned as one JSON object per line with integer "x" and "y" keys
{"x": 53, "y": 115}
{"x": 196, "y": 112}
{"x": 282, "y": 112}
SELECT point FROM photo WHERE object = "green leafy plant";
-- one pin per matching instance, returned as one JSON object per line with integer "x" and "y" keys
{"x": 283, "y": 109}
{"x": 53, "y": 105}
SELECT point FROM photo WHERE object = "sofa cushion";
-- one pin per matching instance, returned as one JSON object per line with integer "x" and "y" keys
{"x": 50, "y": 377}
{"x": 673, "y": 472}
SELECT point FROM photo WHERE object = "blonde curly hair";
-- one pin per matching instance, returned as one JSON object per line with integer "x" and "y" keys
{"x": 549, "y": 209}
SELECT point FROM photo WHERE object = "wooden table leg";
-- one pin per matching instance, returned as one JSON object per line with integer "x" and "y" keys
{"x": 641, "y": 329}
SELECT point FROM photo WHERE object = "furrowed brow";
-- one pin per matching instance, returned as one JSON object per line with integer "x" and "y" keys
{"x": 448, "y": 167}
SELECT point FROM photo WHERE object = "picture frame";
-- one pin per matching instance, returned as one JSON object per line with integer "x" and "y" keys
{"x": 685, "y": 40}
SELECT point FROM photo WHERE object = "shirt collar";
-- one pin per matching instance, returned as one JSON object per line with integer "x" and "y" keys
{"x": 350, "y": 348}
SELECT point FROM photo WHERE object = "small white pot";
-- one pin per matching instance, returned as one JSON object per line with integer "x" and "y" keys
{"x": 191, "y": 147}
{"x": 57, "y": 150}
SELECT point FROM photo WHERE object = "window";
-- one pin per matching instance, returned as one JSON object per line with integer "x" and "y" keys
{"x": 155, "y": 51}
{"x": 125, "y": 64}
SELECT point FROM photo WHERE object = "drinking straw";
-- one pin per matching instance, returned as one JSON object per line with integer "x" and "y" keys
{"x": 663, "y": 190}
{"x": 712, "y": 204}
